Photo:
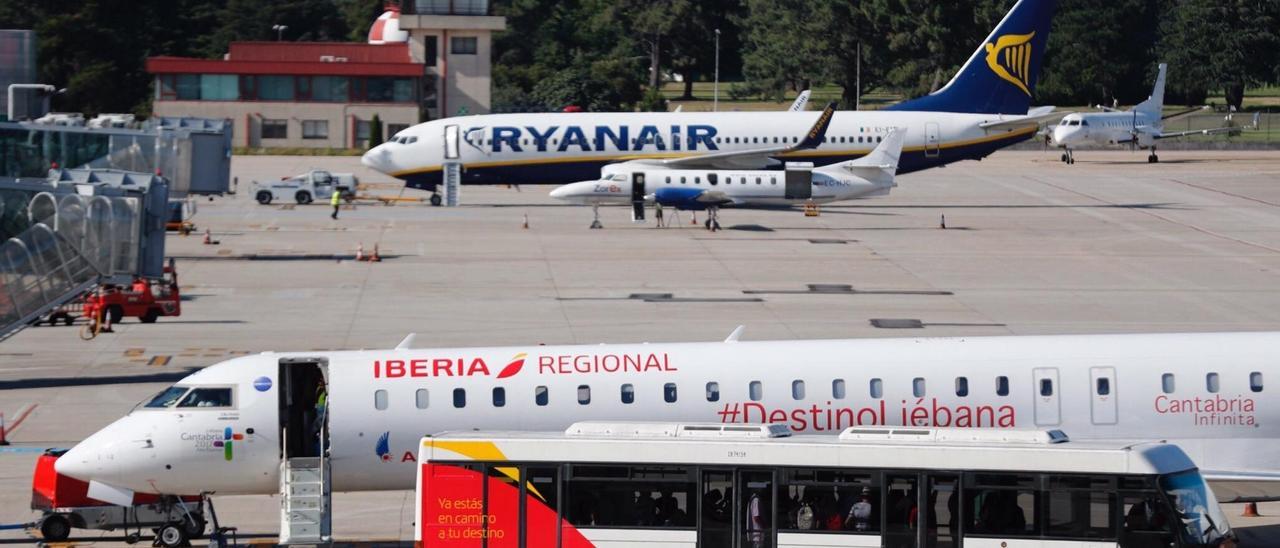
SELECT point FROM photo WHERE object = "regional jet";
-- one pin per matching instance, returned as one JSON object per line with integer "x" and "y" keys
{"x": 982, "y": 109}
{"x": 227, "y": 427}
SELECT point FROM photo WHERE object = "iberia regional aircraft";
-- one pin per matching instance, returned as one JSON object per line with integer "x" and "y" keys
{"x": 226, "y": 428}
{"x": 982, "y": 109}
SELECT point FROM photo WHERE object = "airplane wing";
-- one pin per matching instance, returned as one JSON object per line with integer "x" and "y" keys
{"x": 1182, "y": 113}
{"x": 800, "y": 102}
{"x": 1241, "y": 486}
{"x": 1033, "y": 117}
{"x": 758, "y": 158}
{"x": 1234, "y": 130}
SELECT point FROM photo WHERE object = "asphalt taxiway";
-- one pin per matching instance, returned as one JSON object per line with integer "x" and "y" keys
{"x": 1031, "y": 246}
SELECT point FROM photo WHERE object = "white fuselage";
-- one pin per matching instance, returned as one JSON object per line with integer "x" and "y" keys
{"x": 1203, "y": 391}
{"x": 742, "y": 187}
{"x": 1104, "y": 129}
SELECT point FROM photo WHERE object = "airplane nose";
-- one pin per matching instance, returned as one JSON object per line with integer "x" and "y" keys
{"x": 377, "y": 159}
{"x": 562, "y": 192}
{"x": 89, "y": 460}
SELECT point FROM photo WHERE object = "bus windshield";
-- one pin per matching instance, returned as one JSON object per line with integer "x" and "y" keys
{"x": 1200, "y": 519}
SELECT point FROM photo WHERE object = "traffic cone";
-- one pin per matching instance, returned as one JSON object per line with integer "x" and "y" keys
{"x": 1250, "y": 508}
{"x": 208, "y": 238}
{"x": 526, "y": 221}
{"x": 375, "y": 258}
{"x": 694, "y": 221}
{"x": 3, "y": 441}
{"x": 943, "y": 223}
{"x": 360, "y": 252}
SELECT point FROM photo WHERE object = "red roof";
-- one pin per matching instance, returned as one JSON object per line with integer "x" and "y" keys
{"x": 298, "y": 58}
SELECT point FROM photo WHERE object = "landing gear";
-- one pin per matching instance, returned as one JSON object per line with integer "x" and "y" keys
{"x": 1067, "y": 158}
{"x": 436, "y": 200}
{"x": 172, "y": 535}
{"x": 595, "y": 223}
{"x": 713, "y": 220}
{"x": 1153, "y": 159}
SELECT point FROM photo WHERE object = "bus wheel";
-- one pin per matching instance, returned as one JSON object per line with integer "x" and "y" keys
{"x": 264, "y": 197}
{"x": 55, "y": 527}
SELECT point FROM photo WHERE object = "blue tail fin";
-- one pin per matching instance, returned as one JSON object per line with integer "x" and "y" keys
{"x": 1001, "y": 75}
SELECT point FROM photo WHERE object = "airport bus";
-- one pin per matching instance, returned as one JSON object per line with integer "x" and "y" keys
{"x": 674, "y": 485}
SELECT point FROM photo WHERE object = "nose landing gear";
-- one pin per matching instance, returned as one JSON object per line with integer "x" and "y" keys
{"x": 1067, "y": 158}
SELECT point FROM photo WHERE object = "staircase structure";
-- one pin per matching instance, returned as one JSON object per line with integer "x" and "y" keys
{"x": 305, "y": 497}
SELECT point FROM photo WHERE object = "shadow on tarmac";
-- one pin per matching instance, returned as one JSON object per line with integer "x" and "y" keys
{"x": 58, "y": 382}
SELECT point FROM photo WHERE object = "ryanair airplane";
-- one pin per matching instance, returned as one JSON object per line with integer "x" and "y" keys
{"x": 982, "y": 109}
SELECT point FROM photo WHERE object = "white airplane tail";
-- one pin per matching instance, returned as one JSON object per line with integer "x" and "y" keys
{"x": 1153, "y": 107}
{"x": 880, "y": 165}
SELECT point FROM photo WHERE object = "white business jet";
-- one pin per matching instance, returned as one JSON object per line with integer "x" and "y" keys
{"x": 1141, "y": 126}
{"x": 227, "y": 427}
{"x": 982, "y": 109}
{"x": 686, "y": 184}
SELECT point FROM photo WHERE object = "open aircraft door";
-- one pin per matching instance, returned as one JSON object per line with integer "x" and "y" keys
{"x": 637, "y": 197}
{"x": 1048, "y": 406}
{"x": 932, "y": 141}
{"x": 451, "y": 139}
{"x": 303, "y": 404}
{"x": 1102, "y": 383}
{"x": 799, "y": 181}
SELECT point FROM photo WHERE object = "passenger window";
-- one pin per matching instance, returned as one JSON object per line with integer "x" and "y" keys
{"x": 962, "y": 386}
{"x": 499, "y": 396}
{"x": 380, "y": 400}
{"x": 917, "y": 387}
{"x": 757, "y": 180}
{"x": 682, "y": 180}
{"x": 1210, "y": 383}
{"x": 584, "y": 394}
{"x": 755, "y": 391}
{"x": 420, "y": 398}
{"x": 207, "y": 397}
{"x": 713, "y": 391}
{"x": 797, "y": 390}
{"x": 1080, "y": 507}
{"x": 1002, "y": 386}
{"x": 628, "y": 393}
{"x": 1166, "y": 383}
{"x": 669, "y": 392}
{"x": 837, "y": 389}
{"x": 540, "y": 395}
{"x": 1046, "y": 387}
{"x": 668, "y": 180}
{"x": 459, "y": 397}
{"x": 773, "y": 180}
{"x": 877, "y": 388}
{"x": 1255, "y": 381}
{"x": 1103, "y": 387}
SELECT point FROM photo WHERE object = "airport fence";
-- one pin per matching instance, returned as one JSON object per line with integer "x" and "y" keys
{"x": 69, "y": 244}
{"x": 1268, "y": 130}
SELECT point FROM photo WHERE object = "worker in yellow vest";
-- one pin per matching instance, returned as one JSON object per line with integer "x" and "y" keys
{"x": 333, "y": 201}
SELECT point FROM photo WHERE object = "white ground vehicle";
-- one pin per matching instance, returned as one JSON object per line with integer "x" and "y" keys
{"x": 316, "y": 184}
{"x": 601, "y": 484}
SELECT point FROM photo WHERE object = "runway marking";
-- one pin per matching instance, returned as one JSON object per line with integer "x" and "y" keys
{"x": 160, "y": 360}
{"x": 134, "y": 352}
{"x": 1232, "y": 194}
{"x": 22, "y": 415}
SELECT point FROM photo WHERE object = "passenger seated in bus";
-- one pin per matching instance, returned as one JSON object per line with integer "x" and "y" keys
{"x": 645, "y": 510}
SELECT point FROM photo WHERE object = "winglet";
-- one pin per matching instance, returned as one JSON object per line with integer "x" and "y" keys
{"x": 407, "y": 343}
{"x": 801, "y": 100}
{"x": 819, "y": 130}
{"x": 737, "y": 334}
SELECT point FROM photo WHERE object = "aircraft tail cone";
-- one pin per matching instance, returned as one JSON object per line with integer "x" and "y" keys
{"x": 1250, "y": 510}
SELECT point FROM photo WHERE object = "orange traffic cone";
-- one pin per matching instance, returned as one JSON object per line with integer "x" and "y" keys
{"x": 208, "y": 238}
{"x": 375, "y": 258}
{"x": 526, "y": 221}
{"x": 695, "y": 219}
{"x": 360, "y": 252}
{"x": 1250, "y": 510}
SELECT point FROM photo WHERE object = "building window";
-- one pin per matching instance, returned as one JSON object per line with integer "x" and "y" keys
{"x": 330, "y": 89}
{"x": 275, "y": 88}
{"x": 463, "y": 45}
{"x": 362, "y": 130}
{"x": 430, "y": 51}
{"x": 219, "y": 87}
{"x": 188, "y": 87}
{"x": 315, "y": 129}
{"x": 275, "y": 129}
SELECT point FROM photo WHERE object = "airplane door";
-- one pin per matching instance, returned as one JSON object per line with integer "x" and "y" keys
{"x": 303, "y": 404}
{"x": 1048, "y": 410}
{"x": 932, "y": 141}
{"x": 799, "y": 184}
{"x": 637, "y": 197}
{"x": 1102, "y": 383}
{"x": 451, "y": 142}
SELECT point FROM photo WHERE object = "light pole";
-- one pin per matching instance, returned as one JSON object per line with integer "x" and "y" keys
{"x": 279, "y": 31}
{"x": 715, "y": 103}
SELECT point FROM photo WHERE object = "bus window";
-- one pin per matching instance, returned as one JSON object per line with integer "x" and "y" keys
{"x": 1146, "y": 520}
{"x": 380, "y": 399}
{"x": 1002, "y": 386}
{"x": 917, "y": 387}
{"x": 755, "y": 391}
{"x": 669, "y": 392}
{"x": 540, "y": 395}
{"x": 1080, "y": 507}
{"x": 828, "y": 500}
{"x": 962, "y": 386}
{"x": 1166, "y": 383}
{"x": 584, "y": 394}
{"x": 877, "y": 388}
{"x": 1002, "y": 505}
{"x": 1255, "y": 381}
{"x": 837, "y": 389}
{"x": 1198, "y": 518}
{"x": 420, "y": 398}
{"x": 499, "y": 396}
{"x": 713, "y": 391}
{"x": 628, "y": 393}
{"x": 797, "y": 390}
{"x": 459, "y": 397}
{"x": 1210, "y": 383}
{"x": 631, "y": 496}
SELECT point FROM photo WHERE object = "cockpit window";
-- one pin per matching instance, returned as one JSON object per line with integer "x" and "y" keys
{"x": 1075, "y": 122}
{"x": 207, "y": 397}
{"x": 166, "y": 398}
{"x": 1084, "y": 122}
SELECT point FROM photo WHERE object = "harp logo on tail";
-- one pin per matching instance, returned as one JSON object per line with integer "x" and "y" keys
{"x": 1010, "y": 58}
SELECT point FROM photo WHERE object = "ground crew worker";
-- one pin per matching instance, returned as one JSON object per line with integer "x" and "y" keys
{"x": 657, "y": 213}
{"x": 334, "y": 200}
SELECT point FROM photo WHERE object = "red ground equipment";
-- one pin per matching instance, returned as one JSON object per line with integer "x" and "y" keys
{"x": 145, "y": 299}
{"x": 66, "y": 504}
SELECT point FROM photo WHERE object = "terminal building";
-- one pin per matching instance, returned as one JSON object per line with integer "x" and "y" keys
{"x": 424, "y": 60}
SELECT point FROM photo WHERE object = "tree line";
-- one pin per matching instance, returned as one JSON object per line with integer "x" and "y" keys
{"x": 613, "y": 54}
